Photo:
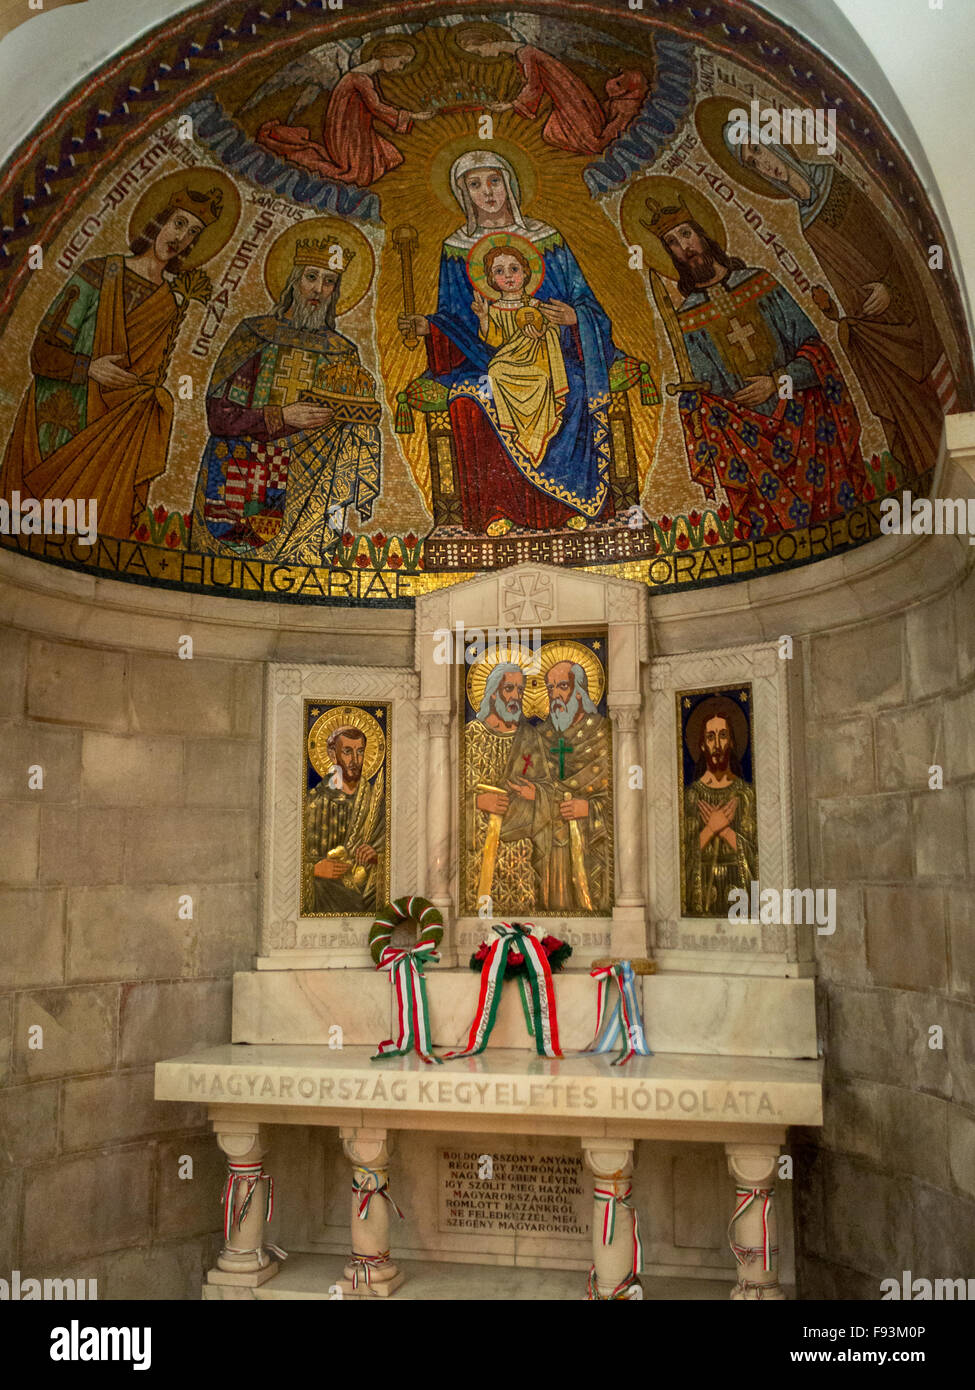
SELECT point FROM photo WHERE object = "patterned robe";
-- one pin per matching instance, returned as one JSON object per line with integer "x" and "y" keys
{"x": 267, "y": 490}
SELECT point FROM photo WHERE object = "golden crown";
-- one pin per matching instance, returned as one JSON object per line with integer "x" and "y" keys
{"x": 206, "y": 206}
{"x": 322, "y": 253}
{"x": 664, "y": 220}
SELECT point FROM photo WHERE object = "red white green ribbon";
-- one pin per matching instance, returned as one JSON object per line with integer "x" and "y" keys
{"x": 249, "y": 1176}
{"x": 627, "y": 1289}
{"x": 367, "y": 1184}
{"x": 744, "y": 1197}
{"x": 544, "y": 1023}
{"x": 622, "y": 1023}
{"x": 609, "y": 1194}
{"x": 405, "y": 968}
{"x": 363, "y": 1265}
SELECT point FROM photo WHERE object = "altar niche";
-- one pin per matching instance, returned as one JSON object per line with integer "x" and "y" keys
{"x": 536, "y": 792}
{"x": 535, "y": 753}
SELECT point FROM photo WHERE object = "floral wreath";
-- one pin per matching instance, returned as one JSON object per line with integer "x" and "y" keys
{"x": 417, "y": 912}
{"x": 557, "y": 952}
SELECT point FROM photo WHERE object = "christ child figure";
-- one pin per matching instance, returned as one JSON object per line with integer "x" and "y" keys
{"x": 527, "y": 370}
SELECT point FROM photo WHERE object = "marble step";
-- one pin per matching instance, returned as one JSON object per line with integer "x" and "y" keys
{"x": 716, "y": 1015}
{"x": 311, "y": 1277}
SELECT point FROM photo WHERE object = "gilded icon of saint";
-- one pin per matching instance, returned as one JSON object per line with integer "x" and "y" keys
{"x": 719, "y": 819}
{"x": 345, "y": 860}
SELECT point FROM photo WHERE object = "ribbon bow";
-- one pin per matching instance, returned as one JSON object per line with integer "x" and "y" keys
{"x": 613, "y": 1198}
{"x": 541, "y": 1018}
{"x": 745, "y": 1196}
{"x": 623, "y": 1024}
{"x": 405, "y": 967}
{"x": 366, "y": 1184}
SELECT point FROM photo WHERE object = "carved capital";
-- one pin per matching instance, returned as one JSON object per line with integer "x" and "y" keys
{"x": 436, "y": 722}
{"x": 608, "y": 1158}
{"x": 368, "y": 1148}
{"x": 240, "y": 1141}
{"x": 752, "y": 1165}
{"x": 626, "y": 718}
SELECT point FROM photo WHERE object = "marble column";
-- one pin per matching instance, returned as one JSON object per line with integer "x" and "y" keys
{"x": 370, "y": 1273}
{"x": 246, "y": 1259}
{"x": 752, "y": 1230}
{"x": 438, "y": 796}
{"x": 612, "y": 1276}
{"x": 629, "y": 931}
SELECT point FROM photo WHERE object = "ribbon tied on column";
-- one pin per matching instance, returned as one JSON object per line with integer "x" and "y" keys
{"x": 609, "y": 1194}
{"x": 541, "y": 1016}
{"x": 621, "y": 1024}
{"x": 367, "y": 1184}
{"x": 248, "y": 1176}
{"x": 744, "y": 1197}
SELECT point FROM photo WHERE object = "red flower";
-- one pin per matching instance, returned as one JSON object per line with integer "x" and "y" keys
{"x": 335, "y": 559}
{"x": 682, "y": 542}
{"x": 410, "y": 540}
{"x": 695, "y": 518}
{"x": 362, "y": 561}
{"x": 394, "y": 561}
{"x": 724, "y": 511}
{"x": 347, "y": 538}
{"x": 711, "y": 536}
{"x": 869, "y": 492}
{"x": 160, "y": 513}
{"x": 515, "y": 958}
{"x": 890, "y": 482}
{"x": 550, "y": 944}
{"x": 378, "y": 538}
{"x": 665, "y": 523}
{"x": 172, "y": 540}
{"x": 482, "y": 951}
{"x": 143, "y": 533}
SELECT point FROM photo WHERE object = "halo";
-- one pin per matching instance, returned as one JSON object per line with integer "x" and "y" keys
{"x": 441, "y": 163}
{"x": 477, "y": 676}
{"x": 484, "y": 29}
{"x": 667, "y": 192}
{"x": 357, "y": 275}
{"x": 342, "y": 717}
{"x": 536, "y": 696}
{"x": 711, "y": 117}
{"x": 709, "y": 708}
{"x": 477, "y": 274}
{"x": 213, "y": 238}
{"x": 368, "y": 51}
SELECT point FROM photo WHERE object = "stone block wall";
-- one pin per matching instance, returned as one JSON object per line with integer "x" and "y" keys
{"x": 151, "y": 790}
{"x": 889, "y": 1183}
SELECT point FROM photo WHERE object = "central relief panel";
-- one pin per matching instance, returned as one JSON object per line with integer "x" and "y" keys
{"x": 536, "y": 776}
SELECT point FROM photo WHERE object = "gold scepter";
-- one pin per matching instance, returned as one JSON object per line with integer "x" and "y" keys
{"x": 578, "y": 862}
{"x": 665, "y": 307}
{"x": 492, "y": 840}
{"x": 406, "y": 239}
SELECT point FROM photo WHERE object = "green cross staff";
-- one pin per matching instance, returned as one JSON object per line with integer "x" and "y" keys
{"x": 561, "y": 748}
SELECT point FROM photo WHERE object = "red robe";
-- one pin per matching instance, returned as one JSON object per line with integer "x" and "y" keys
{"x": 491, "y": 487}
{"x": 352, "y": 151}
{"x": 576, "y": 120}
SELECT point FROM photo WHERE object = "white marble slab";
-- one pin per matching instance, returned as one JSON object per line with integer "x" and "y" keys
{"x": 573, "y": 1092}
{"x": 734, "y": 1016}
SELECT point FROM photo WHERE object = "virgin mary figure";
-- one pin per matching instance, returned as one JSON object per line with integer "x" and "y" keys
{"x": 503, "y": 486}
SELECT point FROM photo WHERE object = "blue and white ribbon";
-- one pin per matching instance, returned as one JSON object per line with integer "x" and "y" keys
{"x": 619, "y": 1025}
